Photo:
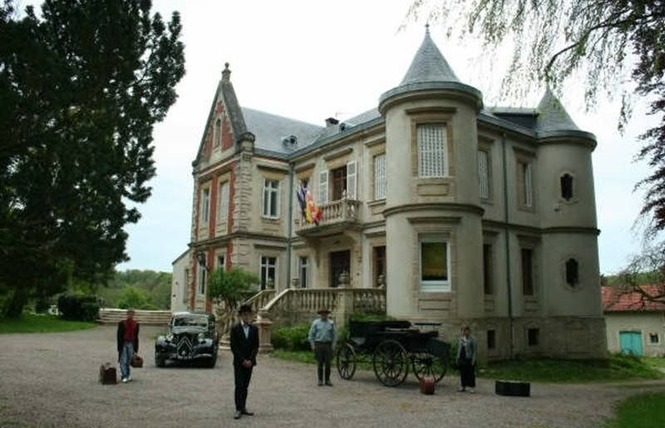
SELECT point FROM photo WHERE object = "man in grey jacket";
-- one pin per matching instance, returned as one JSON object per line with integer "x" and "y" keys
{"x": 322, "y": 342}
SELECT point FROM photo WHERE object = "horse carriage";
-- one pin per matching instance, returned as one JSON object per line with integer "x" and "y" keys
{"x": 393, "y": 347}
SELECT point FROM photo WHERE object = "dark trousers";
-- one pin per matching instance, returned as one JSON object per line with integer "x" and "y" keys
{"x": 467, "y": 373}
{"x": 323, "y": 354}
{"x": 242, "y": 377}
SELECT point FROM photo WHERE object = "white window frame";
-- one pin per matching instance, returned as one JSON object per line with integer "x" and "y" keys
{"x": 223, "y": 202}
{"x": 434, "y": 285}
{"x": 270, "y": 205}
{"x": 380, "y": 177}
{"x": 268, "y": 263}
{"x": 220, "y": 261}
{"x": 205, "y": 206}
{"x": 432, "y": 143}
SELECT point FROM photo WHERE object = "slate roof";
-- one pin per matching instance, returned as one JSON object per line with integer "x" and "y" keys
{"x": 552, "y": 116}
{"x": 617, "y": 299}
{"x": 429, "y": 65}
{"x": 273, "y": 133}
{"x": 524, "y": 117}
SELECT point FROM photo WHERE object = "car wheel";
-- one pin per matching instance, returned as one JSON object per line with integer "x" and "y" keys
{"x": 160, "y": 361}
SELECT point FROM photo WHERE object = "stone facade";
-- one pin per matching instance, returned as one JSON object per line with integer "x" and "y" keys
{"x": 466, "y": 215}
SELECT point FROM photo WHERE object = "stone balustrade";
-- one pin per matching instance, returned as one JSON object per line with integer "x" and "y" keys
{"x": 341, "y": 211}
{"x": 145, "y": 317}
{"x": 293, "y": 306}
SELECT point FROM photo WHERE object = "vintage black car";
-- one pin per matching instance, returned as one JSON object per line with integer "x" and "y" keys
{"x": 192, "y": 336}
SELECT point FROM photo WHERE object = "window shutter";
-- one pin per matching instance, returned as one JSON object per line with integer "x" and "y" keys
{"x": 380, "y": 176}
{"x": 483, "y": 174}
{"x": 351, "y": 180}
{"x": 528, "y": 186}
{"x": 223, "y": 210}
{"x": 323, "y": 188}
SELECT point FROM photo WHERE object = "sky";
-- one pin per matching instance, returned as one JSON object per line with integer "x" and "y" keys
{"x": 310, "y": 60}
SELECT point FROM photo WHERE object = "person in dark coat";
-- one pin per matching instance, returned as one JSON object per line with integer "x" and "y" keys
{"x": 244, "y": 346}
{"x": 128, "y": 344}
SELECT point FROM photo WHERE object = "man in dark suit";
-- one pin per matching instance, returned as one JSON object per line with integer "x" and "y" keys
{"x": 244, "y": 346}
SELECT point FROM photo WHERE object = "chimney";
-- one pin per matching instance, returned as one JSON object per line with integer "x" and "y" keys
{"x": 331, "y": 121}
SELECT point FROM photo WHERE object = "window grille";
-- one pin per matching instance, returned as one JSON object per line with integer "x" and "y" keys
{"x": 432, "y": 151}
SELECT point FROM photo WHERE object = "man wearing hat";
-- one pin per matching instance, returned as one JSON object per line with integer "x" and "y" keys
{"x": 244, "y": 346}
{"x": 322, "y": 341}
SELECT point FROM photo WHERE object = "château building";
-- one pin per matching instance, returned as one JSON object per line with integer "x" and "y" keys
{"x": 464, "y": 214}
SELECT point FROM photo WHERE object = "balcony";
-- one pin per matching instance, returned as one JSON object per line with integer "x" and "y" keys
{"x": 338, "y": 216}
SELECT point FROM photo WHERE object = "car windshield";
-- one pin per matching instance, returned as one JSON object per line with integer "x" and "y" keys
{"x": 191, "y": 321}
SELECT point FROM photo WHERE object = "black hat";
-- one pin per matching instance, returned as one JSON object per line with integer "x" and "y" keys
{"x": 245, "y": 309}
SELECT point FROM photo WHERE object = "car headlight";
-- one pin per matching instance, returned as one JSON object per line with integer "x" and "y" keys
{"x": 201, "y": 337}
{"x": 169, "y": 337}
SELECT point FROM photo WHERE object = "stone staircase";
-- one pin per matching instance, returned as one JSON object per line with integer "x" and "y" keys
{"x": 113, "y": 316}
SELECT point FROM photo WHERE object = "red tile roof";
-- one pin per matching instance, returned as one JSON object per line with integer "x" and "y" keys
{"x": 616, "y": 299}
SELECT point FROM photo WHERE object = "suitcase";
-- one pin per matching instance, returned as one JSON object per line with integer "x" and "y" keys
{"x": 108, "y": 374}
{"x": 427, "y": 385}
{"x": 512, "y": 388}
{"x": 137, "y": 361}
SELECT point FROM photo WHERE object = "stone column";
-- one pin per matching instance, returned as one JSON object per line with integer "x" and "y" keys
{"x": 265, "y": 331}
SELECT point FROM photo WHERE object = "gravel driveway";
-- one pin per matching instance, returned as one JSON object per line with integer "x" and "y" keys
{"x": 51, "y": 380}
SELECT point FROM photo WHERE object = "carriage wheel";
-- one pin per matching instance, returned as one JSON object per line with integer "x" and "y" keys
{"x": 346, "y": 361}
{"x": 425, "y": 364}
{"x": 390, "y": 362}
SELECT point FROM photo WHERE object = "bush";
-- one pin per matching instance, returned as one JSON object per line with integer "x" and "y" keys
{"x": 77, "y": 307}
{"x": 42, "y": 305}
{"x": 135, "y": 298}
{"x": 291, "y": 338}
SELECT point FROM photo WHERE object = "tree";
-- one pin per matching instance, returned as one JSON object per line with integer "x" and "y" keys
{"x": 645, "y": 274}
{"x": 227, "y": 289}
{"x": 82, "y": 86}
{"x": 615, "y": 46}
{"x": 134, "y": 298}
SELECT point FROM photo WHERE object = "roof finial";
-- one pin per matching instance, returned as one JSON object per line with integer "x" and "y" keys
{"x": 427, "y": 29}
{"x": 226, "y": 73}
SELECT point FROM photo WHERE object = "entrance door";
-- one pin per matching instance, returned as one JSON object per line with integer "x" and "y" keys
{"x": 631, "y": 342}
{"x": 340, "y": 261}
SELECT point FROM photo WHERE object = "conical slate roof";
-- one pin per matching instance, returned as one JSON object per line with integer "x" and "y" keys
{"x": 429, "y": 65}
{"x": 552, "y": 116}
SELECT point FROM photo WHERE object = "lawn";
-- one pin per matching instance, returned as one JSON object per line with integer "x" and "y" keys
{"x": 616, "y": 368}
{"x": 30, "y": 323}
{"x": 640, "y": 411}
